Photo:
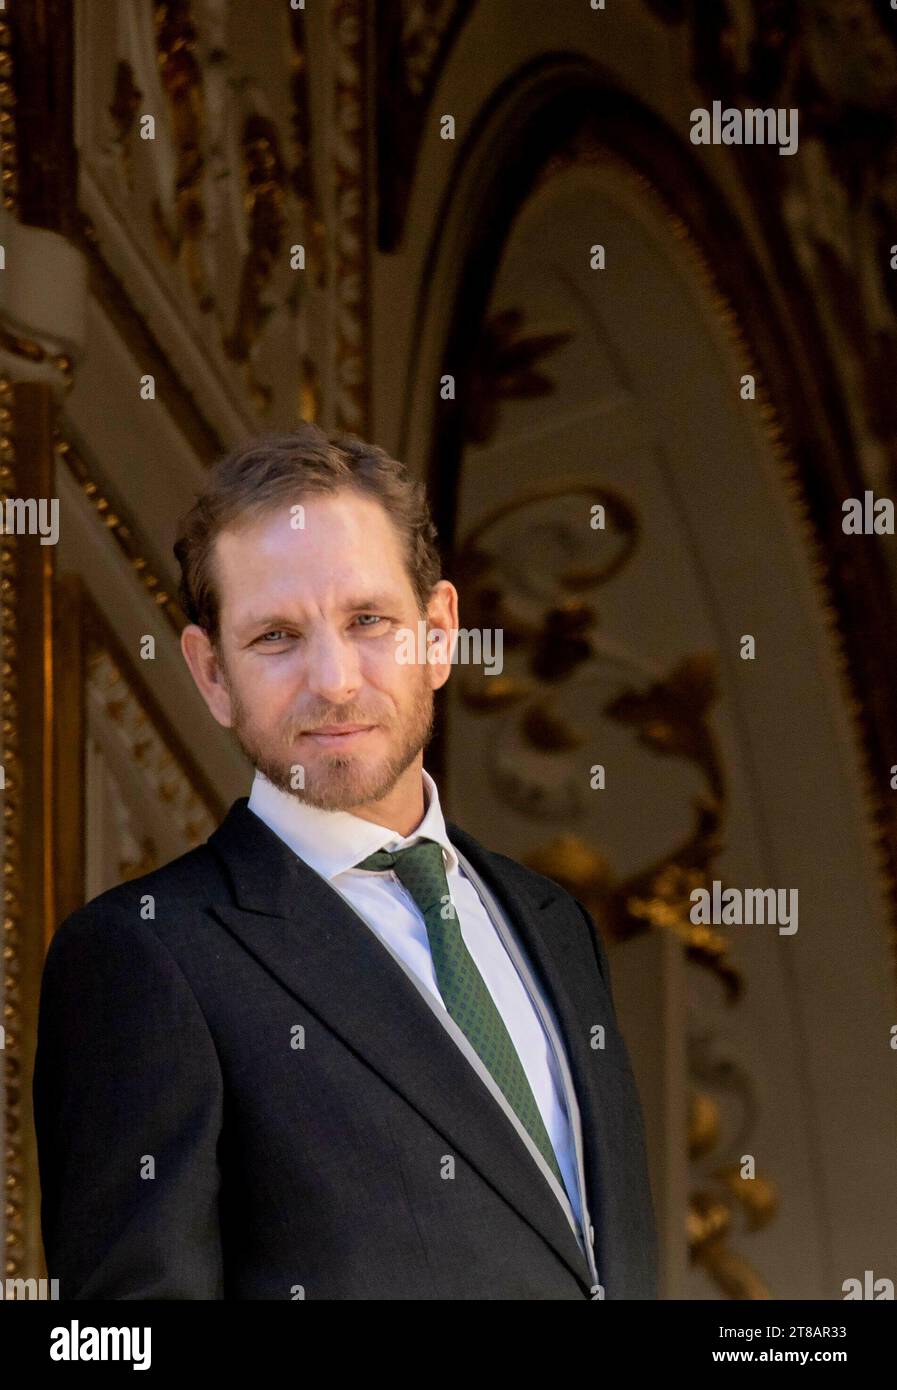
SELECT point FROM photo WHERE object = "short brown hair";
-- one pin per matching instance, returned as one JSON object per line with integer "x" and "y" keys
{"x": 263, "y": 472}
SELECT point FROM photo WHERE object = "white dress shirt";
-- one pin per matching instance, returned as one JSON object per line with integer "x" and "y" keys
{"x": 333, "y": 842}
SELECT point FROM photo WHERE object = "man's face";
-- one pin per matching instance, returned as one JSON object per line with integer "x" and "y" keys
{"x": 307, "y": 647}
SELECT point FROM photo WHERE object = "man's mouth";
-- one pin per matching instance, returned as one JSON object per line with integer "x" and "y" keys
{"x": 339, "y": 733}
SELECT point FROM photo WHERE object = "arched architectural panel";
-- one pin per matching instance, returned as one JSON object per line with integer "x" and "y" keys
{"x": 623, "y": 381}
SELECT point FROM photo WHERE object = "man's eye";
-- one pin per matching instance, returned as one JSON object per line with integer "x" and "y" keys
{"x": 270, "y": 639}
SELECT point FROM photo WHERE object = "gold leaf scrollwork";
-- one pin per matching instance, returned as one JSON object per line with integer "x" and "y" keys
{"x": 725, "y": 1195}
{"x": 670, "y": 716}
{"x": 505, "y": 367}
{"x": 181, "y": 74}
{"x": 266, "y": 182}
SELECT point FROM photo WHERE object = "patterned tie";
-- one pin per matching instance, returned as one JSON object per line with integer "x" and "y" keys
{"x": 464, "y": 993}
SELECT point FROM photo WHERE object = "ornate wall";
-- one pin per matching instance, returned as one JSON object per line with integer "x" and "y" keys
{"x": 219, "y": 217}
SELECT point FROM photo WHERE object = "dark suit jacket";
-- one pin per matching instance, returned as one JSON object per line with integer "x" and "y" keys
{"x": 195, "y": 1144}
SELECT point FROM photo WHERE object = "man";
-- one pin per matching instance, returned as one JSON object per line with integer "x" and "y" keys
{"x": 342, "y": 1050}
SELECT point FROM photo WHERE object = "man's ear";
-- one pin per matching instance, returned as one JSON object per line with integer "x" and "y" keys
{"x": 442, "y": 613}
{"x": 206, "y": 670}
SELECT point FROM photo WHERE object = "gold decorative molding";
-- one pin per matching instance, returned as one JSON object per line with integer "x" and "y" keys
{"x": 413, "y": 41}
{"x": 122, "y": 531}
{"x": 165, "y": 766}
{"x": 110, "y": 706}
{"x": 265, "y": 184}
{"x": 352, "y": 273}
{"x": 108, "y": 289}
{"x": 26, "y": 413}
{"x": 181, "y": 74}
{"x": 36, "y": 353}
{"x": 9, "y": 158}
{"x": 216, "y": 188}
{"x": 14, "y": 1214}
{"x": 831, "y": 211}
{"x": 424, "y": 25}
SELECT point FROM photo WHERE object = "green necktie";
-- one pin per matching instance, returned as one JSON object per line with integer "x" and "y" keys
{"x": 465, "y": 995}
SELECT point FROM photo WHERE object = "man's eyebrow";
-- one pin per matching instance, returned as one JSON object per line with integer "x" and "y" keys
{"x": 375, "y": 601}
{"x": 369, "y": 603}
{"x": 275, "y": 620}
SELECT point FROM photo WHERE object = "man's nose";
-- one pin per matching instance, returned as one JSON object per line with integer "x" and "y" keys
{"x": 333, "y": 670}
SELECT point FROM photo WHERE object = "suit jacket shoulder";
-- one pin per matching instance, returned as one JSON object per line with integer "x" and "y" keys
{"x": 192, "y": 877}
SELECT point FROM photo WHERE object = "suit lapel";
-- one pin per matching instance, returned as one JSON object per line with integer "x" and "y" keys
{"x": 302, "y": 931}
{"x": 563, "y": 957}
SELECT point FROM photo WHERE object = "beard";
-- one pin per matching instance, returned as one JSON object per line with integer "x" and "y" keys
{"x": 337, "y": 781}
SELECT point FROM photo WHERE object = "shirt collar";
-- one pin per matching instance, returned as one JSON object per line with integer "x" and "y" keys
{"x": 333, "y": 842}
